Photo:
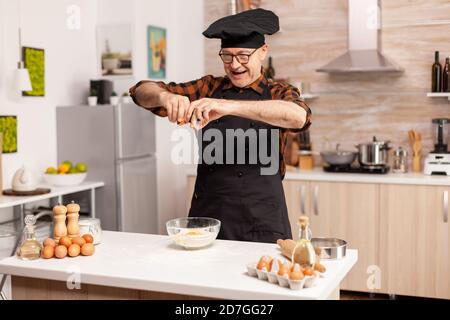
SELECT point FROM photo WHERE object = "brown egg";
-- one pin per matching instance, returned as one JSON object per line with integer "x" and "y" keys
{"x": 74, "y": 250}
{"x": 264, "y": 262}
{"x": 60, "y": 251}
{"x": 284, "y": 269}
{"x": 49, "y": 242}
{"x": 88, "y": 238}
{"x": 296, "y": 273}
{"x": 87, "y": 249}
{"x": 65, "y": 241}
{"x": 48, "y": 252}
{"x": 79, "y": 241}
{"x": 308, "y": 271}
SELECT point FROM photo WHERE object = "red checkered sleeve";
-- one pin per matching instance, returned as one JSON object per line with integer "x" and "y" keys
{"x": 286, "y": 92}
{"x": 194, "y": 90}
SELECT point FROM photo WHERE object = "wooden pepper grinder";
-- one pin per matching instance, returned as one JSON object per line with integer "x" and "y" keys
{"x": 59, "y": 220}
{"x": 73, "y": 228}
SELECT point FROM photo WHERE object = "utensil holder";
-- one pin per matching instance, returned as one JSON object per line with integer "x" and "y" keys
{"x": 416, "y": 163}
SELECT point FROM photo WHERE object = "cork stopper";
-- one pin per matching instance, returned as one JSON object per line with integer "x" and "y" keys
{"x": 303, "y": 221}
{"x": 59, "y": 209}
{"x": 73, "y": 207}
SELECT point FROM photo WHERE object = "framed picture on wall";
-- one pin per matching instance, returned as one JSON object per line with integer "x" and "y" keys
{"x": 156, "y": 52}
{"x": 114, "y": 50}
{"x": 8, "y": 127}
{"x": 34, "y": 61}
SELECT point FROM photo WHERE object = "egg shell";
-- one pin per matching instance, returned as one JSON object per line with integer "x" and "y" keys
{"x": 49, "y": 242}
{"x": 296, "y": 273}
{"x": 65, "y": 241}
{"x": 264, "y": 262}
{"x": 48, "y": 252}
{"x": 60, "y": 251}
{"x": 79, "y": 241}
{"x": 74, "y": 250}
{"x": 284, "y": 269}
{"x": 87, "y": 249}
{"x": 308, "y": 271}
{"x": 88, "y": 238}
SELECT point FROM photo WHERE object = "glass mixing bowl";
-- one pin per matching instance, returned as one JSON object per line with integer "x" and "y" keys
{"x": 193, "y": 232}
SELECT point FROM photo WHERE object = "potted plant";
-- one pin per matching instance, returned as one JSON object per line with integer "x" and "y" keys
{"x": 126, "y": 98}
{"x": 110, "y": 62}
{"x": 114, "y": 99}
{"x": 92, "y": 99}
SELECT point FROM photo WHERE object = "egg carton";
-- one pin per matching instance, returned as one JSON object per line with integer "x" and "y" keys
{"x": 283, "y": 281}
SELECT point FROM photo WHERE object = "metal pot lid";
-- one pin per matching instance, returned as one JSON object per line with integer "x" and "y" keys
{"x": 401, "y": 152}
{"x": 375, "y": 142}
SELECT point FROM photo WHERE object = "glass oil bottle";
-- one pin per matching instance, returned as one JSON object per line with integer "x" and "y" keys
{"x": 30, "y": 248}
{"x": 304, "y": 248}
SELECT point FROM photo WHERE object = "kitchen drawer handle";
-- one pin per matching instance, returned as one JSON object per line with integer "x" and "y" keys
{"x": 316, "y": 196}
{"x": 445, "y": 206}
{"x": 302, "y": 199}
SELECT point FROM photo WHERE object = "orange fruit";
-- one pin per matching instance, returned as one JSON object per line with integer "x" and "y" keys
{"x": 63, "y": 168}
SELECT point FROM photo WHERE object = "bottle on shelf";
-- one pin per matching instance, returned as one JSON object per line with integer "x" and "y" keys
{"x": 270, "y": 72}
{"x": 446, "y": 76}
{"x": 30, "y": 248}
{"x": 436, "y": 74}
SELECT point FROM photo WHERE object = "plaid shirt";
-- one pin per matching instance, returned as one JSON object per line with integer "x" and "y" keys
{"x": 205, "y": 87}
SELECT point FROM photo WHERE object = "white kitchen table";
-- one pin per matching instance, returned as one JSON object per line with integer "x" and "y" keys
{"x": 131, "y": 265}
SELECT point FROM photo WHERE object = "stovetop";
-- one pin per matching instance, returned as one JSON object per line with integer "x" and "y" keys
{"x": 357, "y": 169}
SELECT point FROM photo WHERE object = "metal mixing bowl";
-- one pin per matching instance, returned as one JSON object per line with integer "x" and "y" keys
{"x": 330, "y": 248}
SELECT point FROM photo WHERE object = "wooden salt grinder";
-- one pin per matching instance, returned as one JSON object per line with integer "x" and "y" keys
{"x": 59, "y": 220}
{"x": 73, "y": 228}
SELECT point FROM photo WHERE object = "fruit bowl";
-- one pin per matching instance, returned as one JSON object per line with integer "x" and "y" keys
{"x": 193, "y": 232}
{"x": 65, "y": 180}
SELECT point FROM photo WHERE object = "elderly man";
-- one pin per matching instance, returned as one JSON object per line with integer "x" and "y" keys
{"x": 249, "y": 202}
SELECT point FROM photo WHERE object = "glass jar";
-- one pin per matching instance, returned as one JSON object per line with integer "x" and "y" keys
{"x": 400, "y": 161}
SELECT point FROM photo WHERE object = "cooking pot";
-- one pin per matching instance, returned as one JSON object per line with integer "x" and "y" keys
{"x": 374, "y": 153}
{"x": 338, "y": 157}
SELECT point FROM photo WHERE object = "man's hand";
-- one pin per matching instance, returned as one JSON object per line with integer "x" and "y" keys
{"x": 175, "y": 105}
{"x": 202, "y": 111}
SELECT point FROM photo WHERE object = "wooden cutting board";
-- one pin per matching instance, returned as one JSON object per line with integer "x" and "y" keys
{"x": 11, "y": 192}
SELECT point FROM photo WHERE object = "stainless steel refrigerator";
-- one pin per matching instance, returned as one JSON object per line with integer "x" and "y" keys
{"x": 118, "y": 145}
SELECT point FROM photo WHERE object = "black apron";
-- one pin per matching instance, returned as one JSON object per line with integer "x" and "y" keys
{"x": 250, "y": 206}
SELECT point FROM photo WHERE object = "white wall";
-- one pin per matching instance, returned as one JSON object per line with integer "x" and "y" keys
{"x": 70, "y": 61}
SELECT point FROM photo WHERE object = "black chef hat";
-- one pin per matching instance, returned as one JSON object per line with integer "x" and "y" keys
{"x": 245, "y": 29}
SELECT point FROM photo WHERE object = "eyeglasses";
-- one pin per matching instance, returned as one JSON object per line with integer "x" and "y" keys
{"x": 242, "y": 58}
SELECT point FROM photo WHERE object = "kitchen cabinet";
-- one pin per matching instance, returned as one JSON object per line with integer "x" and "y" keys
{"x": 401, "y": 230}
{"x": 343, "y": 210}
{"x": 297, "y": 194}
{"x": 415, "y": 240}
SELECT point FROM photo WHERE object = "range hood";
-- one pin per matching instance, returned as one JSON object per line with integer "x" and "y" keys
{"x": 364, "y": 42}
